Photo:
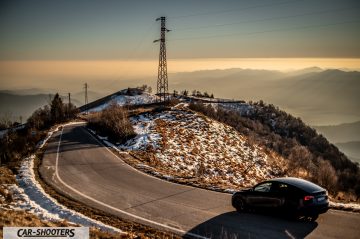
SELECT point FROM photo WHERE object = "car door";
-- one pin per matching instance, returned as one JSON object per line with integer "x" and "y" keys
{"x": 267, "y": 195}
{"x": 259, "y": 196}
{"x": 277, "y": 194}
{"x": 292, "y": 197}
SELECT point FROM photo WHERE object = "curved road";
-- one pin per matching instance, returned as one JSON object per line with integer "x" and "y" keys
{"x": 80, "y": 166}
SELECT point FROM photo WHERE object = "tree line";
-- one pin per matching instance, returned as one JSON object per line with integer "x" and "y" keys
{"x": 19, "y": 143}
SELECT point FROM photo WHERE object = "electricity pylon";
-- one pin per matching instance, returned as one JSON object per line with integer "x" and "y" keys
{"x": 162, "y": 81}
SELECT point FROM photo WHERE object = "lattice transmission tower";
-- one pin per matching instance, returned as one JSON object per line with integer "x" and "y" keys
{"x": 162, "y": 81}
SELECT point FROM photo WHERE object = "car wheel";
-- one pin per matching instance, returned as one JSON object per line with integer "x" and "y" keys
{"x": 238, "y": 203}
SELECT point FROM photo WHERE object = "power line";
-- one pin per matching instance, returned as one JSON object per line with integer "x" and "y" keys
{"x": 265, "y": 19}
{"x": 133, "y": 53}
{"x": 234, "y": 10}
{"x": 267, "y": 31}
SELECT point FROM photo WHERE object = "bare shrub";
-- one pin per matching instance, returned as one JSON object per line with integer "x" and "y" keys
{"x": 113, "y": 122}
{"x": 201, "y": 170}
{"x": 326, "y": 176}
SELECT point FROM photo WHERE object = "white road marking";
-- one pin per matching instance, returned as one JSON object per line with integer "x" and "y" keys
{"x": 111, "y": 207}
{"x": 289, "y": 234}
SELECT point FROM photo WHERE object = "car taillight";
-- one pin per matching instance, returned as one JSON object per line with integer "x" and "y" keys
{"x": 308, "y": 198}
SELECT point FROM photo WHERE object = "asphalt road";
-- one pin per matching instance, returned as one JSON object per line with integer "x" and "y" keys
{"x": 87, "y": 171}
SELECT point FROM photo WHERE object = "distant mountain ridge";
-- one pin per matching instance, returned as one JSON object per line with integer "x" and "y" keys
{"x": 30, "y": 91}
{"x": 320, "y": 97}
{"x": 16, "y": 106}
{"x": 23, "y": 105}
{"x": 341, "y": 133}
{"x": 351, "y": 149}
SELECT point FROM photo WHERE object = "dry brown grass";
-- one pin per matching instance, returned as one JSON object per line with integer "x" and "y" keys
{"x": 5, "y": 195}
{"x": 6, "y": 176}
{"x": 187, "y": 137}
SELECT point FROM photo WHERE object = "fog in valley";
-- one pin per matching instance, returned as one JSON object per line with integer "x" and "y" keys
{"x": 320, "y": 97}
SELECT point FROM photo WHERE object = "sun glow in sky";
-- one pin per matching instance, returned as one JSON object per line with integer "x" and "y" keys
{"x": 50, "y": 74}
{"x": 51, "y": 41}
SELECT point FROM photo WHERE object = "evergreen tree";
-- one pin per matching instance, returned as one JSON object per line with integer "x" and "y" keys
{"x": 57, "y": 109}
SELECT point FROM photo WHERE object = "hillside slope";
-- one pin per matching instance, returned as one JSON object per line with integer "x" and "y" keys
{"x": 179, "y": 143}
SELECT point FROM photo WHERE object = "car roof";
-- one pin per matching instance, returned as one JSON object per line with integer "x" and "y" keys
{"x": 305, "y": 185}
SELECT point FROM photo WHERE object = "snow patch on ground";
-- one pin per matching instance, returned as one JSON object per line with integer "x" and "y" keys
{"x": 184, "y": 144}
{"x": 346, "y": 206}
{"x": 146, "y": 135}
{"x": 121, "y": 100}
{"x": 31, "y": 197}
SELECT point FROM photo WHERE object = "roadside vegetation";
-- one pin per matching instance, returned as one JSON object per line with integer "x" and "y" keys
{"x": 21, "y": 142}
{"x": 195, "y": 93}
{"x": 112, "y": 122}
{"x": 309, "y": 155}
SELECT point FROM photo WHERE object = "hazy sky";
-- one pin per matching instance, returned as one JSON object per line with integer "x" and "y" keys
{"x": 124, "y": 30}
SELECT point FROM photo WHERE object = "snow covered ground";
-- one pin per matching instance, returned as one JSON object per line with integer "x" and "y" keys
{"x": 346, "y": 206}
{"x": 30, "y": 196}
{"x": 184, "y": 144}
{"x": 144, "y": 98}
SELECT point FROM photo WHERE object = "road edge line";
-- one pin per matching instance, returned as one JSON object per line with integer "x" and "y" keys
{"x": 111, "y": 207}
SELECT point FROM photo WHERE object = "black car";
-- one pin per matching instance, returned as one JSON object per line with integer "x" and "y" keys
{"x": 293, "y": 196}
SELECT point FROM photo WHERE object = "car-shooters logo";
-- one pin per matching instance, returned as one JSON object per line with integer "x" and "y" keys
{"x": 46, "y": 232}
